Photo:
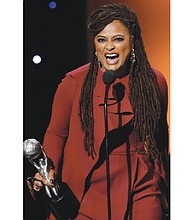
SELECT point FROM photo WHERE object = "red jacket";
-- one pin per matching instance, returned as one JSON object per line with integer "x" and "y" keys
{"x": 64, "y": 141}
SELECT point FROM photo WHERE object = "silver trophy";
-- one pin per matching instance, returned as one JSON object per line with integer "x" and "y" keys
{"x": 33, "y": 150}
{"x": 62, "y": 201}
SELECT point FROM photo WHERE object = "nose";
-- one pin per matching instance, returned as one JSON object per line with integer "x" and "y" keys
{"x": 109, "y": 46}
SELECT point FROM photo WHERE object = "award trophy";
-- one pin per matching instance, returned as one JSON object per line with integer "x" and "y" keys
{"x": 62, "y": 201}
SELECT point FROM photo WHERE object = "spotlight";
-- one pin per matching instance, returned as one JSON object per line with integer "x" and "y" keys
{"x": 36, "y": 59}
{"x": 52, "y": 5}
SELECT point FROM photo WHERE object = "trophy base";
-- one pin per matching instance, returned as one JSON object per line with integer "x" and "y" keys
{"x": 66, "y": 206}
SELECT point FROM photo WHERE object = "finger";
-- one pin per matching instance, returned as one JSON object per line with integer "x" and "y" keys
{"x": 51, "y": 176}
{"x": 38, "y": 182}
{"x": 37, "y": 176}
{"x": 36, "y": 188}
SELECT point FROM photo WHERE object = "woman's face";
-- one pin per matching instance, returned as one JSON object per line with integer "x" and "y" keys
{"x": 113, "y": 45}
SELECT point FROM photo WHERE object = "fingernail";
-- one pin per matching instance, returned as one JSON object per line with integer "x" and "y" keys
{"x": 51, "y": 181}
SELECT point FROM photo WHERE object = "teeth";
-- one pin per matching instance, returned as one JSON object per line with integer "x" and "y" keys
{"x": 111, "y": 55}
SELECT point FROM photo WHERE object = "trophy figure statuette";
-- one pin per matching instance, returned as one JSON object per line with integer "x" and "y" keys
{"x": 62, "y": 201}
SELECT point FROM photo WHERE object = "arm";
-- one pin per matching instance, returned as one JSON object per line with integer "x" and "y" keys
{"x": 57, "y": 132}
{"x": 163, "y": 143}
{"x": 163, "y": 132}
{"x": 162, "y": 136}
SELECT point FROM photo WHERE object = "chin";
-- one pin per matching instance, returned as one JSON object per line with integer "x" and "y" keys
{"x": 113, "y": 68}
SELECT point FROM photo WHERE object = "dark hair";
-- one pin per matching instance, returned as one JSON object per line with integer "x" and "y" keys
{"x": 143, "y": 86}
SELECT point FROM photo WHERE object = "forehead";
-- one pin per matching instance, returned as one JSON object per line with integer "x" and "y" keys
{"x": 115, "y": 27}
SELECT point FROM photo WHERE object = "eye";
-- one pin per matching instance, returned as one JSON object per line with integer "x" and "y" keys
{"x": 119, "y": 39}
{"x": 101, "y": 40}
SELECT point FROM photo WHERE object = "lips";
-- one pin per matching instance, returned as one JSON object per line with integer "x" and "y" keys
{"x": 112, "y": 58}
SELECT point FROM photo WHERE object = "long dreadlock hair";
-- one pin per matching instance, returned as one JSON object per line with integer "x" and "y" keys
{"x": 144, "y": 91}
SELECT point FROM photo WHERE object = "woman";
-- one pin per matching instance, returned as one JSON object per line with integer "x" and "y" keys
{"x": 137, "y": 108}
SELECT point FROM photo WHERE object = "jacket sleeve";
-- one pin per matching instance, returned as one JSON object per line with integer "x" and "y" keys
{"x": 57, "y": 132}
{"x": 163, "y": 130}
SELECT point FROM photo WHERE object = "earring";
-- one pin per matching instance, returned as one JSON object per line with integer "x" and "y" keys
{"x": 132, "y": 57}
{"x": 99, "y": 64}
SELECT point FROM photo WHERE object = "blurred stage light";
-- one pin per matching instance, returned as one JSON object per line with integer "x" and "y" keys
{"x": 52, "y": 5}
{"x": 37, "y": 59}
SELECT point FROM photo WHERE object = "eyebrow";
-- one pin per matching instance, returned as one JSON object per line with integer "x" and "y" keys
{"x": 117, "y": 35}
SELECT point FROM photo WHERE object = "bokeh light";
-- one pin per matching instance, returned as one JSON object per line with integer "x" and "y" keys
{"x": 37, "y": 59}
{"x": 52, "y": 5}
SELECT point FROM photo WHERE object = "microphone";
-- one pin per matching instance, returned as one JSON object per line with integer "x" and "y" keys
{"x": 109, "y": 77}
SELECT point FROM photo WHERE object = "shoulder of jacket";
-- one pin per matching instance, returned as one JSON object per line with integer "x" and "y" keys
{"x": 160, "y": 76}
{"x": 162, "y": 83}
{"x": 72, "y": 80}
{"x": 78, "y": 74}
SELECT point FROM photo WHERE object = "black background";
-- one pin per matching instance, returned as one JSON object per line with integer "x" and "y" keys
{"x": 59, "y": 36}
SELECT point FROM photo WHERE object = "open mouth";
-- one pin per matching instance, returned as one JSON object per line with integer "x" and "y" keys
{"x": 112, "y": 58}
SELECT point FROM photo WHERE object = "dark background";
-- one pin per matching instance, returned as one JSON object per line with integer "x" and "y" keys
{"x": 59, "y": 37}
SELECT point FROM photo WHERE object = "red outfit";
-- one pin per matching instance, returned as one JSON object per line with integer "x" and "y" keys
{"x": 131, "y": 171}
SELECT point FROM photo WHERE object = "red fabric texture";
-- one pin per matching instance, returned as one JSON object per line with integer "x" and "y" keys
{"x": 64, "y": 139}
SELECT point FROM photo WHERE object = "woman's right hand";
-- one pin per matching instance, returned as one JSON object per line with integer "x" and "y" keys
{"x": 39, "y": 181}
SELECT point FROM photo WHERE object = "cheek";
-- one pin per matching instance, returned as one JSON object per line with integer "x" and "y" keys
{"x": 97, "y": 45}
{"x": 126, "y": 53}
{"x": 100, "y": 53}
{"x": 99, "y": 49}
